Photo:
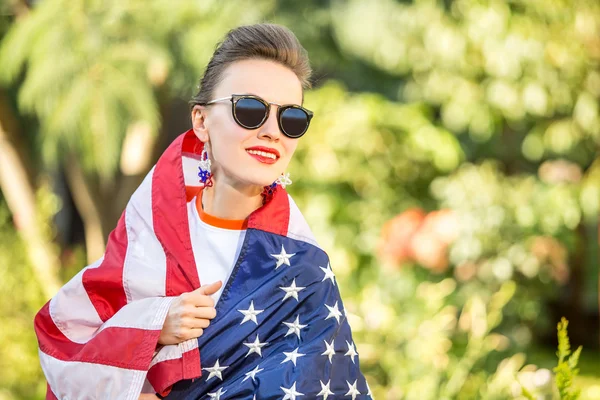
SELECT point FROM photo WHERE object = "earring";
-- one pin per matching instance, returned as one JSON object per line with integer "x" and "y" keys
{"x": 268, "y": 192}
{"x": 204, "y": 169}
{"x": 284, "y": 180}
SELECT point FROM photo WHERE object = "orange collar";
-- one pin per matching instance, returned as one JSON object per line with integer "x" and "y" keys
{"x": 231, "y": 224}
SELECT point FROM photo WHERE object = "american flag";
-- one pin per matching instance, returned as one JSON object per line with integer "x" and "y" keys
{"x": 281, "y": 329}
{"x": 280, "y": 332}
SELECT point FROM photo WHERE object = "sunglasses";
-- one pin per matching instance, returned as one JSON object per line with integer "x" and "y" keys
{"x": 251, "y": 112}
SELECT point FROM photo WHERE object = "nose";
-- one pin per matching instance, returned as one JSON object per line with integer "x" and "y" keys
{"x": 270, "y": 129}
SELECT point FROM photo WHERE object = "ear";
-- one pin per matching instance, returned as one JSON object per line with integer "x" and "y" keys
{"x": 199, "y": 123}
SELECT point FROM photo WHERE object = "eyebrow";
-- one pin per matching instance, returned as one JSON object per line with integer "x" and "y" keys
{"x": 256, "y": 95}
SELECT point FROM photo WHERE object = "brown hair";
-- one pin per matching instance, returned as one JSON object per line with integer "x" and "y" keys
{"x": 261, "y": 41}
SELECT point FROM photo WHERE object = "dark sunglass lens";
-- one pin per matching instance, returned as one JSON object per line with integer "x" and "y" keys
{"x": 250, "y": 112}
{"x": 294, "y": 122}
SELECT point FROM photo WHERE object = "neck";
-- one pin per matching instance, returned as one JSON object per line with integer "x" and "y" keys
{"x": 228, "y": 202}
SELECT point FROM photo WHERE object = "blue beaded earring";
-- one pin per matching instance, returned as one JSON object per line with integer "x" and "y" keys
{"x": 269, "y": 191}
{"x": 204, "y": 169}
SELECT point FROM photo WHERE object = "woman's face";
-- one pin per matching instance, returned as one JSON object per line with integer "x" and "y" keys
{"x": 229, "y": 143}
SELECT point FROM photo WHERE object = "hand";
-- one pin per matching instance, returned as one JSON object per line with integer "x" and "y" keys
{"x": 147, "y": 396}
{"x": 189, "y": 314}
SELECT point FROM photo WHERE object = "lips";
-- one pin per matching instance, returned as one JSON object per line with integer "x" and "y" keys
{"x": 264, "y": 155}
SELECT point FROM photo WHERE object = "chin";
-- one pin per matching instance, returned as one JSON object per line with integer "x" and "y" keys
{"x": 258, "y": 181}
{"x": 263, "y": 182}
{"x": 260, "y": 178}
{"x": 250, "y": 176}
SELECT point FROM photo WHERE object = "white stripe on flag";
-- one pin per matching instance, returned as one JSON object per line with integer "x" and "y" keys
{"x": 174, "y": 351}
{"x": 72, "y": 380}
{"x": 147, "y": 314}
{"x": 144, "y": 270}
{"x": 72, "y": 311}
{"x": 298, "y": 228}
{"x": 190, "y": 171}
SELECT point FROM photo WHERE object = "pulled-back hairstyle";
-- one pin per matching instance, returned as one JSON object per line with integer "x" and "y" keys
{"x": 261, "y": 41}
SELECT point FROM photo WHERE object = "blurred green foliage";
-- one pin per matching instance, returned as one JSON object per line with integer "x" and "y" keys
{"x": 20, "y": 298}
{"x": 451, "y": 171}
{"x": 93, "y": 69}
{"x": 566, "y": 369}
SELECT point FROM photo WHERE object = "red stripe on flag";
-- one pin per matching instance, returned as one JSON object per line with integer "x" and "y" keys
{"x": 104, "y": 285}
{"x": 165, "y": 374}
{"x": 273, "y": 217}
{"x": 49, "y": 394}
{"x": 171, "y": 226}
{"x": 191, "y": 361}
{"x": 170, "y": 218}
{"x": 129, "y": 348}
{"x": 191, "y": 192}
{"x": 191, "y": 144}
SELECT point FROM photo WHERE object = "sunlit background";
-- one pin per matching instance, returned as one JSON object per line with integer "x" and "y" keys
{"x": 452, "y": 171}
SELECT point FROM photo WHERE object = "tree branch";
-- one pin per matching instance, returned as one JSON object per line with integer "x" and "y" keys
{"x": 20, "y": 196}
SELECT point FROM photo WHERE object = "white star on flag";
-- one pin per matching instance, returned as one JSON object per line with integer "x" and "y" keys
{"x": 217, "y": 395}
{"x": 334, "y": 312}
{"x": 294, "y": 327}
{"x": 215, "y": 370}
{"x": 255, "y": 347}
{"x": 325, "y": 391}
{"x": 293, "y": 356}
{"x": 351, "y": 351}
{"x": 250, "y": 314}
{"x": 330, "y": 352}
{"x": 291, "y": 291}
{"x": 290, "y": 394}
{"x": 328, "y": 274}
{"x": 352, "y": 390}
{"x": 283, "y": 258}
{"x": 252, "y": 374}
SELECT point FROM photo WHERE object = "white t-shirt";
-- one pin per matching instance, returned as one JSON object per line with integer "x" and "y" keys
{"x": 216, "y": 244}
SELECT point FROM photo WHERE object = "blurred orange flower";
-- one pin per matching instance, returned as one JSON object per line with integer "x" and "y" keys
{"x": 429, "y": 251}
{"x": 397, "y": 233}
{"x": 414, "y": 235}
{"x": 443, "y": 224}
{"x": 550, "y": 251}
{"x": 559, "y": 171}
{"x": 466, "y": 271}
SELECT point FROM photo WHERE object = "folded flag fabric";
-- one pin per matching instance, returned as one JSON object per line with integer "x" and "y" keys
{"x": 281, "y": 328}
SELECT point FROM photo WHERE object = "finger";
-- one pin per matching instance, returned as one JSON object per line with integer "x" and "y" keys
{"x": 188, "y": 333}
{"x": 201, "y": 296}
{"x": 202, "y": 300}
{"x": 204, "y": 313}
{"x": 201, "y": 323}
{"x": 210, "y": 289}
{"x": 195, "y": 333}
{"x": 196, "y": 323}
{"x": 191, "y": 300}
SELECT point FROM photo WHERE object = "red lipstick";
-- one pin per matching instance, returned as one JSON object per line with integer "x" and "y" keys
{"x": 263, "y": 154}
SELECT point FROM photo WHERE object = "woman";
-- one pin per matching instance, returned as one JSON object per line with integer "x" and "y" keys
{"x": 213, "y": 210}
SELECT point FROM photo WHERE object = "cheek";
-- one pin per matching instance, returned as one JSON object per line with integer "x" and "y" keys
{"x": 227, "y": 136}
{"x": 223, "y": 126}
{"x": 290, "y": 146}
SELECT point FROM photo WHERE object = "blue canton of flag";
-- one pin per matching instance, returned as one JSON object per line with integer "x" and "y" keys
{"x": 281, "y": 330}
